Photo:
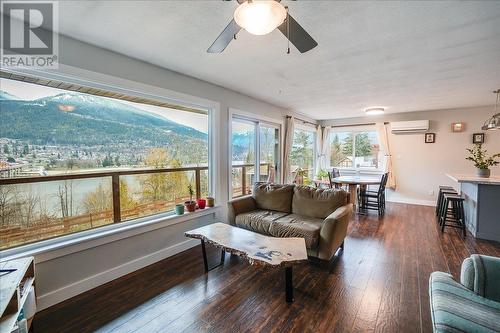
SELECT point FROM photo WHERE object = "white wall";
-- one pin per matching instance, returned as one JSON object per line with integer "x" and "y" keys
{"x": 420, "y": 167}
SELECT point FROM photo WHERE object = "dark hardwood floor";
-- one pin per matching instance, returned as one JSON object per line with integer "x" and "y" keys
{"x": 379, "y": 283}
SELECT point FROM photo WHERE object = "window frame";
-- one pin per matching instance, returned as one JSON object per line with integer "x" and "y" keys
{"x": 242, "y": 116}
{"x": 355, "y": 130}
{"x": 138, "y": 89}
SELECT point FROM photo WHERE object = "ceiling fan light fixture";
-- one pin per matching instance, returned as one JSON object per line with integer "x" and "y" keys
{"x": 260, "y": 17}
{"x": 374, "y": 111}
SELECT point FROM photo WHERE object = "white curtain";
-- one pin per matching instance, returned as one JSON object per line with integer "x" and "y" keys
{"x": 319, "y": 150}
{"x": 385, "y": 148}
{"x": 287, "y": 150}
{"x": 322, "y": 148}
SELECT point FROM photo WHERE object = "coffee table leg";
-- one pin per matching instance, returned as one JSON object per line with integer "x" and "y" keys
{"x": 205, "y": 260}
{"x": 289, "y": 284}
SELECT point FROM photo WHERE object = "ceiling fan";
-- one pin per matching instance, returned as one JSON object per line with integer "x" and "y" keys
{"x": 260, "y": 17}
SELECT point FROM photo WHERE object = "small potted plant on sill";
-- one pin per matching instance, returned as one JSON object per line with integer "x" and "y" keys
{"x": 210, "y": 201}
{"x": 190, "y": 205}
{"x": 481, "y": 161}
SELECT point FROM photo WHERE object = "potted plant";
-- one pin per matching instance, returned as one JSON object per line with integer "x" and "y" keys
{"x": 481, "y": 161}
{"x": 322, "y": 174}
{"x": 210, "y": 201}
{"x": 190, "y": 205}
{"x": 201, "y": 203}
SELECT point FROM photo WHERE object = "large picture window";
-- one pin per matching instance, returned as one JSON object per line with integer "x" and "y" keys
{"x": 357, "y": 149}
{"x": 72, "y": 161}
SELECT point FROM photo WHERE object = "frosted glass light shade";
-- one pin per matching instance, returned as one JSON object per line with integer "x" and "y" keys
{"x": 260, "y": 17}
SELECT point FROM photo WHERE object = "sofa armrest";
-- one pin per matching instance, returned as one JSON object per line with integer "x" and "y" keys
{"x": 333, "y": 231}
{"x": 477, "y": 270}
{"x": 239, "y": 206}
{"x": 454, "y": 308}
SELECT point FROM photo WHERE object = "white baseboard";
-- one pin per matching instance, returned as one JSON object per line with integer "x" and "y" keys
{"x": 56, "y": 296}
{"x": 412, "y": 201}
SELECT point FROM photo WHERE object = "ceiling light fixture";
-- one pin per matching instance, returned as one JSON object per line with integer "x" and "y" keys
{"x": 374, "y": 111}
{"x": 494, "y": 122}
{"x": 260, "y": 17}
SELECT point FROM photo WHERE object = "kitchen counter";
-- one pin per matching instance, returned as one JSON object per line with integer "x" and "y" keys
{"x": 482, "y": 204}
{"x": 460, "y": 178}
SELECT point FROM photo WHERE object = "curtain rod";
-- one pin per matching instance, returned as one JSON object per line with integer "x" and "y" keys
{"x": 354, "y": 125}
{"x": 302, "y": 120}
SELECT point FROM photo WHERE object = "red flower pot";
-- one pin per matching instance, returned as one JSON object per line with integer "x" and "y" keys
{"x": 190, "y": 206}
{"x": 201, "y": 203}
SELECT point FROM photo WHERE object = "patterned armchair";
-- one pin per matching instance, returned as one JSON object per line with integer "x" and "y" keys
{"x": 473, "y": 305}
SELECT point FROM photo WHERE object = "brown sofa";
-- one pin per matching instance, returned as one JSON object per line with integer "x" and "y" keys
{"x": 320, "y": 216}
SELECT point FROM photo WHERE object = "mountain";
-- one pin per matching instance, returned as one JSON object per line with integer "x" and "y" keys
{"x": 7, "y": 97}
{"x": 85, "y": 120}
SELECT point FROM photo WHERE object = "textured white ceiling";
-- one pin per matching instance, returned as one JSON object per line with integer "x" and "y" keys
{"x": 404, "y": 56}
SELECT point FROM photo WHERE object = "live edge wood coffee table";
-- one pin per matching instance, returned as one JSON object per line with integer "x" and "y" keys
{"x": 256, "y": 248}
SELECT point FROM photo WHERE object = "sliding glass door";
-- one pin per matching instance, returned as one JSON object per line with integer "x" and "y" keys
{"x": 269, "y": 152}
{"x": 247, "y": 138}
{"x": 302, "y": 156}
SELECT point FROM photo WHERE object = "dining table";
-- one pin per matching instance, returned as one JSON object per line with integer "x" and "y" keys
{"x": 353, "y": 182}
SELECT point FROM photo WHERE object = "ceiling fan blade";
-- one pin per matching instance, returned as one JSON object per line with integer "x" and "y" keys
{"x": 298, "y": 36}
{"x": 225, "y": 37}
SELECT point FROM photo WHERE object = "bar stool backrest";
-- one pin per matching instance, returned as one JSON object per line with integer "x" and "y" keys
{"x": 335, "y": 173}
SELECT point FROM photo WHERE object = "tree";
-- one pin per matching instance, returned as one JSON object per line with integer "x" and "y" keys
{"x": 337, "y": 155}
{"x": 8, "y": 194}
{"x": 117, "y": 160}
{"x": 99, "y": 200}
{"x": 26, "y": 150}
{"x": 6, "y": 149}
{"x": 302, "y": 150}
{"x": 363, "y": 145}
{"x": 154, "y": 185}
{"x": 65, "y": 196}
{"x": 70, "y": 164}
{"x": 107, "y": 161}
{"x": 10, "y": 159}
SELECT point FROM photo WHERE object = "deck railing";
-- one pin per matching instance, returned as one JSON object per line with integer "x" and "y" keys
{"x": 25, "y": 228}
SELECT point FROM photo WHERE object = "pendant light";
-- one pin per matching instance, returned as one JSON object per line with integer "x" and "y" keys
{"x": 494, "y": 122}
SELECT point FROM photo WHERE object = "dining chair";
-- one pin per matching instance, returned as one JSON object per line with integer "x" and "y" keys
{"x": 373, "y": 199}
{"x": 334, "y": 174}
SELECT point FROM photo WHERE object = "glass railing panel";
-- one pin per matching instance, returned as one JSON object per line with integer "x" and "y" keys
{"x": 149, "y": 194}
{"x": 37, "y": 211}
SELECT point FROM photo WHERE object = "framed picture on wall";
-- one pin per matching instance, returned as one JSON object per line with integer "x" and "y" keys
{"x": 430, "y": 137}
{"x": 478, "y": 138}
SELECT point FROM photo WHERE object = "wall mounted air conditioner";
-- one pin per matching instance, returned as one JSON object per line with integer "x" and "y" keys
{"x": 414, "y": 126}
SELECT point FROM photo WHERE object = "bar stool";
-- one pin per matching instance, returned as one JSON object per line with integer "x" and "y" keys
{"x": 442, "y": 189}
{"x": 455, "y": 215}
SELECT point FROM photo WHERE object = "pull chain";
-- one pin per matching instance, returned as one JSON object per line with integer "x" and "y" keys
{"x": 288, "y": 30}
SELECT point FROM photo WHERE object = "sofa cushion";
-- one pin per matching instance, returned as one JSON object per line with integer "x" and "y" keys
{"x": 258, "y": 220}
{"x": 273, "y": 197}
{"x": 318, "y": 203}
{"x": 293, "y": 225}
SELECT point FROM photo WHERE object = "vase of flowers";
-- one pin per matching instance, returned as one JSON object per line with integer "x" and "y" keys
{"x": 481, "y": 161}
{"x": 190, "y": 205}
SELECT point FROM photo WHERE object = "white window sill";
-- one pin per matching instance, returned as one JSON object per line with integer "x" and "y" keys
{"x": 64, "y": 245}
